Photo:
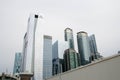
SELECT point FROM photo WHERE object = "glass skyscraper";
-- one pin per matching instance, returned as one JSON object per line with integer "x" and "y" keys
{"x": 37, "y": 50}
{"x": 58, "y": 49}
{"x": 83, "y": 47}
{"x": 69, "y": 37}
{"x": 17, "y": 63}
{"x": 93, "y": 47}
{"x": 47, "y": 57}
{"x": 70, "y": 59}
{"x": 70, "y": 55}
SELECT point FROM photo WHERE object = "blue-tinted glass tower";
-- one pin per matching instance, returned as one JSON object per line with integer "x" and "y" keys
{"x": 58, "y": 49}
{"x": 17, "y": 63}
{"x": 93, "y": 47}
{"x": 47, "y": 56}
{"x": 70, "y": 55}
{"x": 83, "y": 47}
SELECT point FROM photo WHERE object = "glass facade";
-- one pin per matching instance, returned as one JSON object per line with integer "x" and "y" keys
{"x": 17, "y": 63}
{"x": 55, "y": 67}
{"x": 83, "y": 47}
{"x": 69, "y": 37}
{"x": 58, "y": 49}
{"x": 47, "y": 57}
{"x": 93, "y": 47}
{"x": 70, "y": 59}
{"x": 58, "y": 66}
{"x": 43, "y": 52}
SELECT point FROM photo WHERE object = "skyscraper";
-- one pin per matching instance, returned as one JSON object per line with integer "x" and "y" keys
{"x": 69, "y": 37}
{"x": 47, "y": 57}
{"x": 17, "y": 63}
{"x": 58, "y": 66}
{"x": 24, "y": 52}
{"x": 37, "y": 50}
{"x": 43, "y": 53}
{"x": 58, "y": 49}
{"x": 93, "y": 47}
{"x": 70, "y": 59}
{"x": 70, "y": 56}
{"x": 83, "y": 47}
{"x": 29, "y": 45}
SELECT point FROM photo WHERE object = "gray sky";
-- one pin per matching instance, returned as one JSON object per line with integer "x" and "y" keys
{"x": 99, "y": 17}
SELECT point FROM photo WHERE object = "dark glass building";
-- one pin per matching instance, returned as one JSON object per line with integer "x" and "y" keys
{"x": 58, "y": 49}
{"x": 58, "y": 66}
{"x": 83, "y": 47}
{"x": 70, "y": 59}
{"x": 69, "y": 37}
{"x": 93, "y": 48}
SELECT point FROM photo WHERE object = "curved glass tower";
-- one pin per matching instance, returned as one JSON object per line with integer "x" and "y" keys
{"x": 93, "y": 48}
{"x": 83, "y": 47}
{"x": 69, "y": 37}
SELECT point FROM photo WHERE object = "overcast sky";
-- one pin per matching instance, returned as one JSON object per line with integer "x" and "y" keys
{"x": 99, "y": 17}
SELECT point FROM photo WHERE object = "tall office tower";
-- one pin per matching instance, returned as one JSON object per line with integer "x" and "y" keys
{"x": 70, "y": 59}
{"x": 58, "y": 49}
{"x": 24, "y": 52}
{"x": 83, "y": 47}
{"x": 47, "y": 57}
{"x": 29, "y": 45}
{"x": 69, "y": 37}
{"x": 93, "y": 47}
{"x": 17, "y": 63}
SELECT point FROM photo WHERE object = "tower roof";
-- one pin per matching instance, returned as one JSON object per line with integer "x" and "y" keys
{"x": 68, "y": 29}
{"x": 82, "y": 32}
{"x": 47, "y": 37}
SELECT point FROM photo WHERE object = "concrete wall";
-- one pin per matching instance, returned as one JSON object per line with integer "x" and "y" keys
{"x": 105, "y": 69}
